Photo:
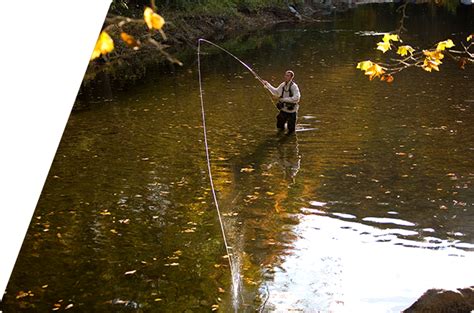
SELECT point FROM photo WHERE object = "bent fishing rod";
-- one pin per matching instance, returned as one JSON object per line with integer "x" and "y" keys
{"x": 238, "y": 60}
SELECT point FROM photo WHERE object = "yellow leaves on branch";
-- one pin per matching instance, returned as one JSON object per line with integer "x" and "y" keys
{"x": 433, "y": 58}
{"x": 385, "y": 44}
{"x": 152, "y": 19}
{"x": 104, "y": 45}
{"x": 404, "y": 50}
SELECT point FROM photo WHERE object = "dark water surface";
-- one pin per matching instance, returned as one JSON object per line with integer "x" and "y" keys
{"x": 369, "y": 205}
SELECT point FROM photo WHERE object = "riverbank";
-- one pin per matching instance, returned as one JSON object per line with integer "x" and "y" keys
{"x": 126, "y": 66}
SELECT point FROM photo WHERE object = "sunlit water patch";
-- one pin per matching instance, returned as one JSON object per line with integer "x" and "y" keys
{"x": 352, "y": 267}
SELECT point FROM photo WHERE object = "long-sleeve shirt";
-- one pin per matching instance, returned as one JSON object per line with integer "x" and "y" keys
{"x": 283, "y": 91}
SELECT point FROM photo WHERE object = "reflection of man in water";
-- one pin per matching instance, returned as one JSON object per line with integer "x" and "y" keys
{"x": 289, "y": 157}
{"x": 289, "y": 97}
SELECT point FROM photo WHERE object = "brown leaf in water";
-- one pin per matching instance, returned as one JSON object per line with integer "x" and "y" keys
{"x": 247, "y": 170}
{"x": 462, "y": 63}
{"x": 23, "y": 294}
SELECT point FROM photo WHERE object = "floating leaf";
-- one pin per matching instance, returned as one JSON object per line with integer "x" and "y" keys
{"x": 104, "y": 45}
{"x": 153, "y": 20}
{"x": 130, "y": 272}
{"x": 23, "y": 294}
{"x": 70, "y": 305}
{"x": 404, "y": 50}
{"x": 247, "y": 170}
{"x": 444, "y": 44}
{"x": 462, "y": 63}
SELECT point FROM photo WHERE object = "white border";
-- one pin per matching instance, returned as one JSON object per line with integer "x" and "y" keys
{"x": 45, "y": 50}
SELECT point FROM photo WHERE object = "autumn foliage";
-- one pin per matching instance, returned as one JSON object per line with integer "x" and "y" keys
{"x": 427, "y": 59}
{"x": 105, "y": 43}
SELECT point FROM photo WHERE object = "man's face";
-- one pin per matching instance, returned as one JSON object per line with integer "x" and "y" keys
{"x": 288, "y": 77}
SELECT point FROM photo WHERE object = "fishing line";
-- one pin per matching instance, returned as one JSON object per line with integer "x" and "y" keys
{"x": 208, "y": 159}
{"x": 233, "y": 270}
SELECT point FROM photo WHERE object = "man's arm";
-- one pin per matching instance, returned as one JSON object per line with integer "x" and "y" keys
{"x": 296, "y": 95}
{"x": 276, "y": 92}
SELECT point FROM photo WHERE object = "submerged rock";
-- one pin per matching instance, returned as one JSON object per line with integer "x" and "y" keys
{"x": 460, "y": 300}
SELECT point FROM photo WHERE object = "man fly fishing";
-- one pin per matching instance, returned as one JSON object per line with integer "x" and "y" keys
{"x": 288, "y": 95}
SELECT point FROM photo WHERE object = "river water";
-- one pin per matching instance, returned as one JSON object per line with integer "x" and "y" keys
{"x": 366, "y": 207}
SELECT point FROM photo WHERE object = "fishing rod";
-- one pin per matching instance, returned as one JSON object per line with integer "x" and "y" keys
{"x": 238, "y": 60}
{"x": 232, "y": 55}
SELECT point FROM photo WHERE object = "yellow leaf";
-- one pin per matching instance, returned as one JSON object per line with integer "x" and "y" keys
{"x": 445, "y": 44}
{"x": 469, "y": 38}
{"x": 387, "y": 37}
{"x": 435, "y": 55}
{"x": 383, "y": 46}
{"x": 374, "y": 71}
{"x": 432, "y": 60}
{"x": 429, "y": 64}
{"x": 129, "y": 40}
{"x": 104, "y": 45}
{"x": 404, "y": 50}
{"x": 364, "y": 65}
{"x": 152, "y": 19}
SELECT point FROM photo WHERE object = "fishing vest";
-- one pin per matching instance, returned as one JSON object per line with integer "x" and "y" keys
{"x": 289, "y": 90}
{"x": 291, "y": 107}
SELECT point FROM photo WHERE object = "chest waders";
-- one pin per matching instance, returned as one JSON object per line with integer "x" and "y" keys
{"x": 286, "y": 117}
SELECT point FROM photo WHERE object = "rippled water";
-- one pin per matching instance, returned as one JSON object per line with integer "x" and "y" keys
{"x": 369, "y": 205}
